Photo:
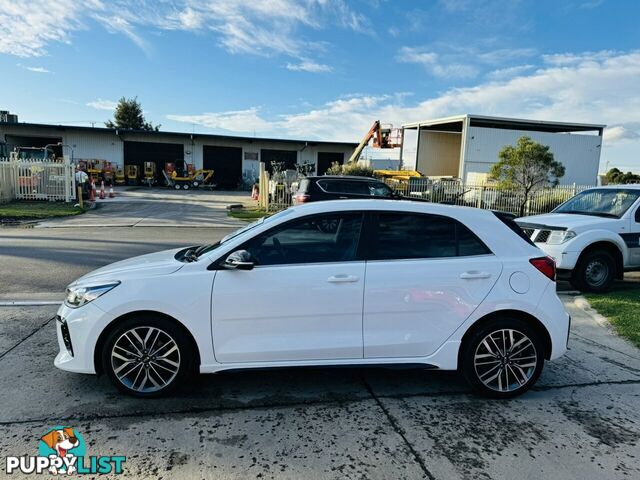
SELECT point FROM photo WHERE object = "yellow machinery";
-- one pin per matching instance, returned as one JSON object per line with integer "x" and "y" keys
{"x": 132, "y": 174}
{"x": 120, "y": 179}
{"x": 149, "y": 177}
{"x": 195, "y": 179}
{"x": 397, "y": 174}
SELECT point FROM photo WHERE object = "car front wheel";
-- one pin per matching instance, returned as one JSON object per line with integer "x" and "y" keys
{"x": 595, "y": 272}
{"x": 503, "y": 359}
{"x": 147, "y": 356}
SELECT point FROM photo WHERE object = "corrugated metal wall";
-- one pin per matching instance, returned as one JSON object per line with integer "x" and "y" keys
{"x": 580, "y": 154}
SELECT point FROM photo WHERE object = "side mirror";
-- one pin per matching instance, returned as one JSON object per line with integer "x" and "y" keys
{"x": 239, "y": 260}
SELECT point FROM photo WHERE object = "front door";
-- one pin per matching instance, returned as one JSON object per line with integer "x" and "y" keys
{"x": 426, "y": 275}
{"x": 302, "y": 300}
{"x": 632, "y": 239}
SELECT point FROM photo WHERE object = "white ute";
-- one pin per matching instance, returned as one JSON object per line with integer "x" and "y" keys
{"x": 594, "y": 237}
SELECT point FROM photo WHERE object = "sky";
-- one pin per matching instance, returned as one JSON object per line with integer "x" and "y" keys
{"x": 325, "y": 69}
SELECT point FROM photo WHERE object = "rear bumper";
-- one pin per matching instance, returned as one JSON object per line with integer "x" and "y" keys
{"x": 554, "y": 317}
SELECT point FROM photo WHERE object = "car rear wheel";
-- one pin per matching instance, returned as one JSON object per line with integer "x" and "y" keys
{"x": 503, "y": 359}
{"x": 595, "y": 272}
{"x": 147, "y": 356}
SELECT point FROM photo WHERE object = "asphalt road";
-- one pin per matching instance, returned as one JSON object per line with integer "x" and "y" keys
{"x": 38, "y": 263}
{"x": 581, "y": 421}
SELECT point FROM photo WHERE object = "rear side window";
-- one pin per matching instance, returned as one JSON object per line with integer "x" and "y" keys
{"x": 407, "y": 236}
{"x": 508, "y": 220}
{"x": 352, "y": 187}
{"x": 379, "y": 189}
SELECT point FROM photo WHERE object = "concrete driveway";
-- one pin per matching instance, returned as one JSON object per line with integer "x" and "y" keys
{"x": 158, "y": 207}
{"x": 581, "y": 421}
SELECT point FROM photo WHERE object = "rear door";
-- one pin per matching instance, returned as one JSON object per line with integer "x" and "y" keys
{"x": 632, "y": 239}
{"x": 425, "y": 275}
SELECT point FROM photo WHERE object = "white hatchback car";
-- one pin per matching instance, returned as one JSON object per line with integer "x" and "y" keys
{"x": 355, "y": 282}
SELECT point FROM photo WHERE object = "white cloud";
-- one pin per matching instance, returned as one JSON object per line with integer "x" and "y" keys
{"x": 241, "y": 121}
{"x": 509, "y": 72}
{"x": 34, "y": 69}
{"x": 449, "y": 60}
{"x": 434, "y": 64}
{"x": 257, "y": 27}
{"x": 617, "y": 133}
{"x": 309, "y": 66}
{"x": 28, "y": 26}
{"x": 101, "y": 104}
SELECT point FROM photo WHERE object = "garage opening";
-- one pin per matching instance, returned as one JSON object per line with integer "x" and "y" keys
{"x": 226, "y": 163}
{"x": 136, "y": 153}
{"x": 14, "y": 141}
{"x": 325, "y": 159}
{"x": 289, "y": 158}
{"x": 436, "y": 149}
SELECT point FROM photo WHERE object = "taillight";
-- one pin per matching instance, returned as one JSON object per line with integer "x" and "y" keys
{"x": 302, "y": 198}
{"x": 546, "y": 265}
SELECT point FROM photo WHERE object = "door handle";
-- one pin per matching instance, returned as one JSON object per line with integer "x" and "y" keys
{"x": 342, "y": 279}
{"x": 473, "y": 274}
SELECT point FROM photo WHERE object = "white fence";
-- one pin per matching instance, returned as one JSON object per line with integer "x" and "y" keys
{"x": 276, "y": 193}
{"x": 32, "y": 179}
{"x": 485, "y": 196}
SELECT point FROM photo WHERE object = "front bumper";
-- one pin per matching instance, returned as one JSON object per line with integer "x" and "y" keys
{"x": 78, "y": 330}
{"x": 565, "y": 260}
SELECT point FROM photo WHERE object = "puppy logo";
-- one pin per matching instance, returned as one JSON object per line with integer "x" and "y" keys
{"x": 64, "y": 443}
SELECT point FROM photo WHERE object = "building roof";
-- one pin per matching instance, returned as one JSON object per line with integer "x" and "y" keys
{"x": 74, "y": 128}
{"x": 510, "y": 123}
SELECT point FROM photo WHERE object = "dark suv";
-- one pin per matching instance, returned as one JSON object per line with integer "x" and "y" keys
{"x": 329, "y": 187}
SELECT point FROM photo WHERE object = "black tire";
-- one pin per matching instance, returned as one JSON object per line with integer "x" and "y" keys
{"x": 520, "y": 376}
{"x": 595, "y": 272}
{"x": 183, "y": 355}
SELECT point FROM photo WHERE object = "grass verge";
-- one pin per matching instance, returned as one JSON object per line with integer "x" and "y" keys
{"x": 621, "y": 309}
{"x": 248, "y": 214}
{"x": 27, "y": 210}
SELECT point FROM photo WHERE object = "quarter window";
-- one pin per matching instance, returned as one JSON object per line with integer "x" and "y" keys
{"x": 319, "y": 238}
{"x": 407, "y": 236}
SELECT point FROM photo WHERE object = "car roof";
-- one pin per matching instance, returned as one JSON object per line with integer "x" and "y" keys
{"x": 390, "y": 205}
{"x": 620, "y": 186}
{"x": 343, "y": 177}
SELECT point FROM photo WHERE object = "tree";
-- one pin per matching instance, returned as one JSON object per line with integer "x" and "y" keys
{"x": 615, "y": 176}
{"x": 128, "y": 115}
{"x": 353, "y": 168}
{"x": 526, "y": 167}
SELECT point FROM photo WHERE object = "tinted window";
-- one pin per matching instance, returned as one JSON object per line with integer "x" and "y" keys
{"x": 352, "y": 187}
{"x": 320, "y": 238}
{"x": 379, "y": 189}
{"x": 402, "y": 235}
{"x": 638, "y": 215}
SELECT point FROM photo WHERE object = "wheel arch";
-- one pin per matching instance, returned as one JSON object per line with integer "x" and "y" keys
{"x": 610, "y": 247}
{"x": 530, "y": 319}
{"x": 97, "y": 351}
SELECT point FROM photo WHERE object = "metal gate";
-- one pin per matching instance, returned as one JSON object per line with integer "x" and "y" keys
{"x": 34, "y": 179}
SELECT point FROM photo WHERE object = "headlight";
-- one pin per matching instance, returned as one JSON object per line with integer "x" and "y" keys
{"x": 80, "y": 295}
{"x": 556, "y": 237}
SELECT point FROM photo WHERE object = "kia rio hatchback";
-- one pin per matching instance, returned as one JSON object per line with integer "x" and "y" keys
{"x": 354, "y": 282}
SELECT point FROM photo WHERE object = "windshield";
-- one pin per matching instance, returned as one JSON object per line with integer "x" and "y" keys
{"x": 603, "y": 202}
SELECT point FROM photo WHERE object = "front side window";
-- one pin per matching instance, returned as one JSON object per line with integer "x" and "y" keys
{"x": 604, "y": 202}
{"x": 410, "y": 236}
{"x": 319, "y": 238}
{"x": 379, "y": 189}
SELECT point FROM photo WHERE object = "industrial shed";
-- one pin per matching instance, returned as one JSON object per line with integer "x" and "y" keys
{"x": 465, "y": 146}
{"x": 230, "y": 157}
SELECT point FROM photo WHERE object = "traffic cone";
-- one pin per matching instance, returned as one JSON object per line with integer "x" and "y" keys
{"x": 254, "y": 192}
{"x": 102, "y": 190}
{"x": 92, "y": 191}
{"x": 111, "y": 194}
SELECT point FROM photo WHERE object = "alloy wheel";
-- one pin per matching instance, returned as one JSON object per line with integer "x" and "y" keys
{"x": 145, "y": 359}
{"x": 505, "y": 360}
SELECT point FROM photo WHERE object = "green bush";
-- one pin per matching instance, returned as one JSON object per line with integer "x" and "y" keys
{"x": 354, "y": 169}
